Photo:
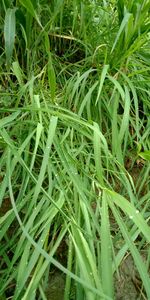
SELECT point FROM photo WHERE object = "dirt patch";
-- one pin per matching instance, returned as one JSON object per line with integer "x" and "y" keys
{"x": 128, "y": 284}
{"x": 56, "y": 286}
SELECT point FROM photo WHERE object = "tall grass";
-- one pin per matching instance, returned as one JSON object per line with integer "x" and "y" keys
{"x": 74, "y": 143}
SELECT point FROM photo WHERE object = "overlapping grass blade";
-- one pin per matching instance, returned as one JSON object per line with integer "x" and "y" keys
{"x": 135, "y": 253}
{"x": 74, "y": 147}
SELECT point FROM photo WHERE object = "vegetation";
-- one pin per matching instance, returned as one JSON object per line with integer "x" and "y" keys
{"x": 75, "y": 149}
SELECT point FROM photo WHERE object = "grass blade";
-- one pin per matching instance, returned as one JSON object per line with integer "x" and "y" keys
{"x": 106, "y": 256}
{"x": 30, "y": 8}
{"x": 9, "y": 33}
{"x": 122, "y": 26}
{"x": 132, "y": 213}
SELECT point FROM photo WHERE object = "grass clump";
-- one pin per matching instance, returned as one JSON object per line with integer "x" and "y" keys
{"x": 75, "y": 150}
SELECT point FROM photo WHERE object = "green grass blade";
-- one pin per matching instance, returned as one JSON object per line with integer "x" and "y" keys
{"x": 9, "y": 33}
{"x": 97, "y": 154}
{"x": 87, "y": 98}
{"x": 121, "y": 29}
{"x": 51, "y": 133}
{"x": 106, "y": 255}
{"x": 6, "y": 120}
{"x": 132, "y": 213}
{"x": 125, "y": 118}
{"x": 102, "y": 79}
{"x": 145, "y": 155}
{"x": 18, "y": 72}
{"x": 50, "y": 69}
{"x": 30, "y": 8}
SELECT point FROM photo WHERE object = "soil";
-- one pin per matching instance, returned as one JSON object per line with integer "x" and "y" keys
{"x": 56, "y": 286}
{"x": 125, "y": 284}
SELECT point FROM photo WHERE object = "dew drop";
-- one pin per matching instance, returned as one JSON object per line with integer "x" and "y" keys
{"x": 137, "y": 211}
{"x": 131, "y": 217}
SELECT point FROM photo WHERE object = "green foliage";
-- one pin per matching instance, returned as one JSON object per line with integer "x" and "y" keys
{"x": 145, "y": 154}
{"x": 9, "y": 33}
{"x": 74, "y": 190}
{"x": 134, "y": 28}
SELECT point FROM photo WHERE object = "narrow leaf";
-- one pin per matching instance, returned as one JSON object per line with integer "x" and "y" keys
{"x": 145, "y": 155}
{"x": 30, "y": 8}
{"x": 9, "y": 33}
{"x": 122, "y": 26}
{"x": 106, "y": 259}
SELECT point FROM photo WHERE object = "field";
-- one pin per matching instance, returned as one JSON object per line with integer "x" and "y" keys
{"x": 75, "y": 150}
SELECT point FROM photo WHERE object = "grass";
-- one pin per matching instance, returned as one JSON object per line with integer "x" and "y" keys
{"x": 75, "y": 150}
